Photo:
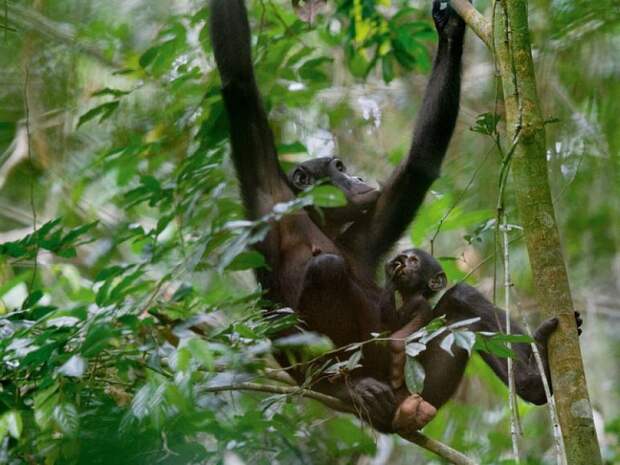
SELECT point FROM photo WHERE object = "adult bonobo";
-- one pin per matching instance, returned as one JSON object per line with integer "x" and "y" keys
{"x": 324, "y": 267}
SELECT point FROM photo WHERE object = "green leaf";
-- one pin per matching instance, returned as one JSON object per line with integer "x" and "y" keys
{"x": 413, "y": 349}
{"x": 44, "y": 402}
{"x": 354, "y": 360}
{"x": 32, "y": 299}
{"x": 486, "y": 123}
{"x": 108, "y": 91}
{"x": 97, "y": 339}
{"x": 66, "y": 417}
{"x": 387, "y": 68}
{"x": 247, "y": 260}
{"x": 109, "y": 272}
{"x": 465, "y": 340}
{"x": 147, "y": 57}
{"x": 327, "y": 196}
{"x": 104, "y": 111}
{"x": 12, "y": 423}
{"x": 414, "y": 375}
{"x": 446, "y": 343}
{"x": 74, "y": 367}
{"x": 201, "y": 352}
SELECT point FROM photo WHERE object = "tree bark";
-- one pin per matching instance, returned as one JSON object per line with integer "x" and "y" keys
{"x": 526, "y": 128}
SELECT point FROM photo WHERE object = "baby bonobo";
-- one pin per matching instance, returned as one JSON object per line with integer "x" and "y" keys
{"x": 415, "y": 277}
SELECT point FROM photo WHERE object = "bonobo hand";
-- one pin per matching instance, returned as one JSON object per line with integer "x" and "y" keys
{"x": 447, "y": 21}
{"x": 376, "y": 403}
{"x": 548, "y": 326}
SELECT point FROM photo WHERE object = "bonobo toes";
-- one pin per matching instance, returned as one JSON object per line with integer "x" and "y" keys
{"x": 548, "y": 326}
{"x": 413, "y": 414}
{"x": 375, "y": 402}
{"x": 579, "y": 322}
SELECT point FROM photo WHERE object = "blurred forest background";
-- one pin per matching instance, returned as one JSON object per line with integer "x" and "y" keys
{"x": 113, "y": 141}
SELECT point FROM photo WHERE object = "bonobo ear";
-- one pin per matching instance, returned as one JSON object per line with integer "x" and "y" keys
{"x": 438, "y": 282}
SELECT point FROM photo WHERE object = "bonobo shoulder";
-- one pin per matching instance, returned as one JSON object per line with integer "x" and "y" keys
{"x": 463, "y": 294}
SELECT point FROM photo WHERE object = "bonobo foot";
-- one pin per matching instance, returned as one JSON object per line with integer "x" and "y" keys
{"x": 413, "y": 414}
{"x": 547, "y": 327}
{"x": 447, "y": 21}
{"x": 376, "y": 403}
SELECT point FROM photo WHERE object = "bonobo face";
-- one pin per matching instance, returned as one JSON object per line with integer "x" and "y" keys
{"x": 360, "y": 195}
{"x": 414, "y": 271}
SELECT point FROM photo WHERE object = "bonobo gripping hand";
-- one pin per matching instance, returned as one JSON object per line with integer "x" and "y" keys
{"x": 447, "y": 21}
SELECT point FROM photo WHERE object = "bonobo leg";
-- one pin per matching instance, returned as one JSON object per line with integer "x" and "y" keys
{"x": 464, "y": 302}
{"x": 331, "y": 303}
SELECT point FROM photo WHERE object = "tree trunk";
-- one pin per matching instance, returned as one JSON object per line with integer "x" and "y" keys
{"x": 526, "y": 129}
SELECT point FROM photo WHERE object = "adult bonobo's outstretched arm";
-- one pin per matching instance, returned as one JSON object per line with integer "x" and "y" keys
{"x": 405, "y": 190}
{"x": 262, "y": 181}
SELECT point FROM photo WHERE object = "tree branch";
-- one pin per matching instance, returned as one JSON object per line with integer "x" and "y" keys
{"x": 437, "y": 447}
{"x": 472, "y": 17}
{"x": 31, "y": 20}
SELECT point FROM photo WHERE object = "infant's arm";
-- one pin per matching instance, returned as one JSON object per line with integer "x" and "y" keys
{"x": 422, "y": 313}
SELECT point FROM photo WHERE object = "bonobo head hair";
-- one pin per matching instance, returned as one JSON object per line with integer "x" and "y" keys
{"x": 415, "y": 271}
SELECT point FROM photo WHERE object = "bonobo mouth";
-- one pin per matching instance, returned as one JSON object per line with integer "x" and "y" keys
{"x": 365, "y": 197}
{"x": 397, "y": 268}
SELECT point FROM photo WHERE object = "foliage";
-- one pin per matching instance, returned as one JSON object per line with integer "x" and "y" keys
{"x": 133, "y": 297}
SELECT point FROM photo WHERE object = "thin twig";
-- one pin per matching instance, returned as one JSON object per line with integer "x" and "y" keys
{"x": 472, "y": 17}
{"x": 515, "y": 430}
{"x": 28, "y": 19}
{"x": 457, "y": 202}
{"x": 553, "y": 413}
{"x": 432, "y": 445}
{"x": 32, "y": 178}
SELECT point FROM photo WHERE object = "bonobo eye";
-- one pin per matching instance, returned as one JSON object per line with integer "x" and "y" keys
{"x": 302, "y": 178}
{"x": 339, "y": 166}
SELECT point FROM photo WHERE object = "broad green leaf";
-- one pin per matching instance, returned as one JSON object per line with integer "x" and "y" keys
{"x": 414, "y": 375}
{"x": 201, "y": 352}
{"x": 147, "y": 57}
{"x": 247, "y": 260}
{"x": 74, "y": 367}
{"x": 66, "y": 417}
{"x": 103, "y": 111}
{"x": 446, "y": 343}
{"x": 465, "y": 340}
{"x": 97, "y": 338}
{"x": 32, "y": 299}
{"x": 44, "y": 402}
{"x": 414, "y": 349}
{"x": 11, "y": 422}
{"x": 327, "y": 196}
{"x": 354, "y": 360}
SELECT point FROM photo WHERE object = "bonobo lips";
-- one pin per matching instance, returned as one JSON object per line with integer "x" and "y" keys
{"x": 365, "y": 197}
{"x": 396, "y": 269}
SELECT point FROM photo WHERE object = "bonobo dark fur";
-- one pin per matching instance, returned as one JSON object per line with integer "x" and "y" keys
{"x": 324, "y": 267}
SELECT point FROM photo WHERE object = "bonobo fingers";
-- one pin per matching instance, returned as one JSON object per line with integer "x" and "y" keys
{"x": 579, "y": 322}
{"x": 376, "y": 402}
{"x": 413, "y": 414}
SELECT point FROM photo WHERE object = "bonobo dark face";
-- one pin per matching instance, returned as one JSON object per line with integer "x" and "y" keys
{"x": 414, "y": 271}
{"x": 360, "y": 195}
